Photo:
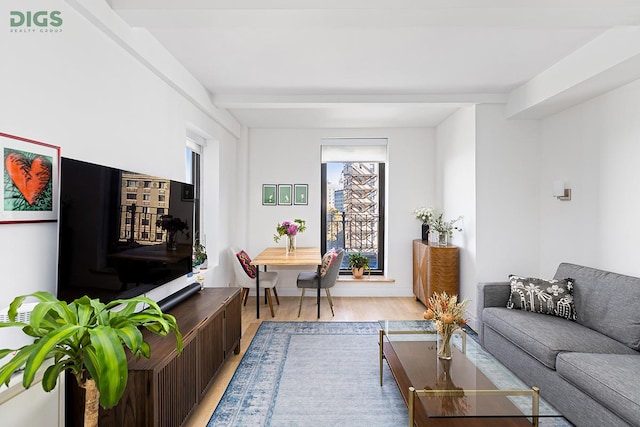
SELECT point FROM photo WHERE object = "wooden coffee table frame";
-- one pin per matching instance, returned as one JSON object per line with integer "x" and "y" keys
{"x": 417, "y": 412}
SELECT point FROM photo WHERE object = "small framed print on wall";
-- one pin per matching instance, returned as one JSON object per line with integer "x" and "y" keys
{"x": 269, "y": 195}
{"x": 300, "y": 194}
{"x": 29, "y": 191}
{"x": 284, "y": 194}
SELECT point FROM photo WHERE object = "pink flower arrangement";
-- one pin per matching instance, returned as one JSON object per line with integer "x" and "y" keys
{"x": 289, "y": 229}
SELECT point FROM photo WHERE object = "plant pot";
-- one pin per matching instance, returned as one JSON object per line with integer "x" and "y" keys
{"x": 358, "y": 273}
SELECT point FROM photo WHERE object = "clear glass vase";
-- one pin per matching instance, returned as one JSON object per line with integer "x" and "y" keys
{"x": 444, "y": 342}
{"x": 443, "y": 238}
{"x": 290, "y": 244}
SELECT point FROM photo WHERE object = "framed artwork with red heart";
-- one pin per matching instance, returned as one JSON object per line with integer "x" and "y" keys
{"x": 29, "y": 191}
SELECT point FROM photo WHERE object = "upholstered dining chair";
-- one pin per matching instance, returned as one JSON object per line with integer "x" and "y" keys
{"x": 245, "y": 274}
{"x": 329, "y": 270}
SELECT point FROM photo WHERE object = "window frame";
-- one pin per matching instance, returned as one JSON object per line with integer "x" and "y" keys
{"x": 380, "y": 270}
{"x": 194, "y": 176}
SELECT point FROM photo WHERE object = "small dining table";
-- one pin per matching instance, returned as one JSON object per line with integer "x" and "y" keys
{"x": 277, "y": 256}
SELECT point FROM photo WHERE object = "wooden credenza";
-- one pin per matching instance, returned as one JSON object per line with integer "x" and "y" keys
{"x": 435, "y": 269}
{"x": 164, "y": 389}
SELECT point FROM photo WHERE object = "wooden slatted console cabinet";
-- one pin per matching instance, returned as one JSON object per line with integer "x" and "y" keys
{"x": 163, "y": 390}
{"x": 435, "y": 270}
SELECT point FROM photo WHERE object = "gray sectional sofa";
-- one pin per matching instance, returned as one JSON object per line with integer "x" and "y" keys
{"x": 589, "y": 369}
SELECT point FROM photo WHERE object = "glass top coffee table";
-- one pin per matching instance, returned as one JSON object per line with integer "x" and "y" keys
{"x": 471, "y": 389}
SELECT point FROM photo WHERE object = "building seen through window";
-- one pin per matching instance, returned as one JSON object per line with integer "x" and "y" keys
{"x": 354, "y": 210}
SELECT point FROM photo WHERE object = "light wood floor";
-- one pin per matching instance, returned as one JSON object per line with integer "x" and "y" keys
{"x": 346, "y": 309}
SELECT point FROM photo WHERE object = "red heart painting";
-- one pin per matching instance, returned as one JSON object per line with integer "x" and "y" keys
{"x": 30, "y": 178}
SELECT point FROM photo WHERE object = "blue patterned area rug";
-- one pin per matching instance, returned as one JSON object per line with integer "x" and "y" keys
{"x": 326, "y": 374}
{"x": 312, "y": 374}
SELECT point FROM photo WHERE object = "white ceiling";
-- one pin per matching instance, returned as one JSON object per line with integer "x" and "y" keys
{"x": 368, "y": 63}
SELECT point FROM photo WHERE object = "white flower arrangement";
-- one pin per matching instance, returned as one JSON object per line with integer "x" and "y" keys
{"x": 442, "y": 226}
{"x": 424, "y": 214}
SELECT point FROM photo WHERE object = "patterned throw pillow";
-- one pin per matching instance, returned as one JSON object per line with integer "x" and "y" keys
{"x": 245, "y": 261}
{"x": 553, "y": 297}
{"x": 327, "y": 260}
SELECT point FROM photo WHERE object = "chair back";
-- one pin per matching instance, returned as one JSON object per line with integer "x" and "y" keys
{"x": 242, "y": 278}
{"x": 329, "y": 279}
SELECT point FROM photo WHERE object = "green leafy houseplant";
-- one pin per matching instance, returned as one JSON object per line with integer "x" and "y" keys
{"x": 358, "y": 263}
{"x": 199, "y": 254}
{"x": 87, "y": 338}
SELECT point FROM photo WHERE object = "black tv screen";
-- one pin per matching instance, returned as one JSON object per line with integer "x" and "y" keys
{"x": 111, "y": 242}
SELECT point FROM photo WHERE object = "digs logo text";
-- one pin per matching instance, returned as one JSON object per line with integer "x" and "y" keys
{"x": 41, "y": 21}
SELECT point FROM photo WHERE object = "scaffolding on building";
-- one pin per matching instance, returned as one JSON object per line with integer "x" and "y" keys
{"x": 360, "y": 207}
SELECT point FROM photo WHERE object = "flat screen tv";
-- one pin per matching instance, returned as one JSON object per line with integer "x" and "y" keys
{"x": 111, "y": 242}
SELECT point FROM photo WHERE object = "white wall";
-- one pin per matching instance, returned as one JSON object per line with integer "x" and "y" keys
{"x": 456, "y": 142}
{"x": 594, "y": 147}
{"x": 291, "y": 156}
{"x": 488, "y": 172}
{"x": 508, "y": 197}
{"x": 82, "y": 91}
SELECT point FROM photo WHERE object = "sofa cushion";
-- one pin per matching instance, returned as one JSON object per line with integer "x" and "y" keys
{"x": 553, "y": 297}
{"x": 611, "y": 379}
{"x": 606, "y": 302}
{"x": 543, "y": 337}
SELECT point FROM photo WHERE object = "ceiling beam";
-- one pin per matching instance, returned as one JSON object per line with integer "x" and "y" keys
{"x": 607, "y": 62}
{"x": 324, "y": 101}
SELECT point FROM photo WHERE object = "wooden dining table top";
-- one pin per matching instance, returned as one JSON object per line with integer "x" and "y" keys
{"x": 278, "y": 256}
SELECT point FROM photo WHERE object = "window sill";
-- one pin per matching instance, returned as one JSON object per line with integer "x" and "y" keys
{"x": 365, "y": 278}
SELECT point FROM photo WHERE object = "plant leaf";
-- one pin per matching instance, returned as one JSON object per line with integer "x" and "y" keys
{"x": 42, "y": 348}
{"x": 131, "y": 336}
{"x": 111, "y": 363}
{"x": 16, "y": 363}
{"x": 100, "y": 313}
{"x": 7, "y": 324}
{"x": 17, "y": 302}
{"x": 50, "y": 378}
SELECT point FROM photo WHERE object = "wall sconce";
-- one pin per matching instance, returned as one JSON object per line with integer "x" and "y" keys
{"x": 560, "y": 191}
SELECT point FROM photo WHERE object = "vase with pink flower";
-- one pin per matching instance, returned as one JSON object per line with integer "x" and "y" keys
{"x": 290, "y": 230}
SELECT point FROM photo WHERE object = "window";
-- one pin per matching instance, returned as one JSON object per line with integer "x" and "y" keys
{"x": 161, "y": 197}
{"x": 146, "y": 197}
{"x": 147, "y": 184}
{"x": 132, "y": 183}
{"x": 132, "y": 196}
{"x": 162, "y": 185}
{"x": 193, "y": 168}
{"x": 353, "y": 198}
{"x": 160, "y": 211}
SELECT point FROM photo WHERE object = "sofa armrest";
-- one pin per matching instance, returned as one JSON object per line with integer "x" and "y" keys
{"x": 493, "y": 294}
{"x": 490, "y": 294}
